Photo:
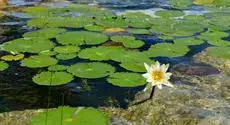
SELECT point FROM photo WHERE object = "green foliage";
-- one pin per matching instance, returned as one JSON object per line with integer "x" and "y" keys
{"x": 188, "y": 41}
{"x": 66, "y": 49}
{"x": 47, "y": 53}
{"x": 31, "y": 45}
{"x": 136, "y": 66}
{"x": 57, "y": 68}
{"x": 167, "y": 50}
{"x": 3, "y": 65}
{"x": 213, "y": 35}
{"x": 126, "y": 79}
{"x": 138, "y": 31}
{"x": 67, "y": 56}
{"x": 111, "y": 21}
{"x": 128, "y": 41}
{"x": 91, "y": 70}
{"x": 45, "y": 33}
{"x": 52, "y": 78}
{"x": 93, "y": 28}
{"x": 71, "y": 116}
{"x": 38, "y": 61}
{"x": 221, "y": 52}
{"x": 169, "y": 13}
{"x": 82, "y": 37}
{"x": 180, "y": 4}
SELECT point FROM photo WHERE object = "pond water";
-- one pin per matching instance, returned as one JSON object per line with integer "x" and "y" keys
{"x": 92, "y": 39}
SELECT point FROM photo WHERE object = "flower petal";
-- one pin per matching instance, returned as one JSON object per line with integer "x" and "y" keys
{"x": 147, "y": 67}
{"x": 169, "y": 84}
{"x": 159, "y": 86}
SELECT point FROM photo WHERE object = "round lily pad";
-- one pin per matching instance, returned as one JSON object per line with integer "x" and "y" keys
{"x": 136, "y": 66}
{"x": 99, "y": 53}
{"x": 169, "y": 13}
{"x": 91, "y": 70}
{"x": 180, "y": 4}
{"x": 111, "y": 21}
{"x": 12, "y": 57}
{"x": 52, "y": 78}
{"x": 45, "y": 33}
{"x": 71, "y": 116}
{"x": 188, "y": 41}
{"x": 3, "y": 66}
{"x": 38, "y": 61}
{"x": 138, "y": 31}
{"x": 67, "y": 56}
{"x": 57, "y": 68}
{"x": 128, "y": 41}
{"x": 82, "y": 37}
{"x": 126, "y": 79}
{"x": 213, "y": 35}
{"x": 47, "y": 53}
{"x": 221, "y": 43}
{"x": 66, "y": 49}
{"x": 138, "y": 19}
{"x": 31, "y": 45}
{"x": 167, "y": 50}
{"x": 94, "y": 28}
{"x": 221, "y": 52}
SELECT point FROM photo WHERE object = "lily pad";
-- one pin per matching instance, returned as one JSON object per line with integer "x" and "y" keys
{"x": 169, "y": 13}
{"x": 31, "y": 45}
{"x": 99, "y": 53}
{"x": 136, "y": 66}
{"x": 138, "y": 31}
{"x": 220, "y": 43}
{"x": 114, "y": 30}
{"x": 45, "y": 33}
{"x": 111, "y": 21}
{"x": 12, "y": 57}
{"x": 57, "y": 68}
{"x": 188, "y": 41}
{"x": 71, "y": 116}
{"x": 126, "y": 79}
{"x": 52, "y": 78}
{"x": 3, "y": 66}
{"x": 91, "y": 70}
{"x": 67, "y": 56}
{"x": 180, "y": 4}
{"x": 38, "y": 61}
{"x": 82, "y": 37}
{"x": 213, "y": 35}
{"x": 138, "y": 19}
{"x": 66, "y": 49}
{"x": 221, "y": 52}
{"x": 94, "y": 28}
{"x": 128, "y": 41}
{"x": 167, "y": 50}
{"x": 47, "y": 53}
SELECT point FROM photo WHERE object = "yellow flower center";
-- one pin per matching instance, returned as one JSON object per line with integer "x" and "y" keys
{"x": 157, "y": 75}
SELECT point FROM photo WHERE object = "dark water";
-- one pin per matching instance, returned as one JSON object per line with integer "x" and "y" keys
{"x": 18, "y": 92}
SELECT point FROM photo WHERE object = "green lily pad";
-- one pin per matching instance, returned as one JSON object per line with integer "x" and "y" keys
{"x": 47, "y": 53}
{"x": 67, "y": 56}
{"x": 91, "y": 70}
{"x": 169, "y": 13}
{"x": 128, "y": 41}
{"x": 111, "y": 21}
{"x": 221, "y": 52}
{"x": 99, "y": 53}
{"x": 126, "y": 79}
{"x": 138, "y": 31}
{"x": 136, "y": 66}
{"x": 66, "y": 49}
{"x": 38, "y": 61}
{"x": 52, "y": 78}
{"x": 71, "y": 116}
{"x": 3, "y": 65}
{"x": 180, "y": 4}
{"x": 57, "y": 68}
{"x": 45, "y": 33}
{"x": 220, "y": 43}
{"x": 31, "y": 45}
{"x": 82, "y": 37}
{"x": 188, "y": 41}
{"x": 213, "y": 35}
{"x": 138, "y": 19}
{"x": 167, "y": 50}
{"x": 218, "y": 21}
{"x": 93, "y": 28}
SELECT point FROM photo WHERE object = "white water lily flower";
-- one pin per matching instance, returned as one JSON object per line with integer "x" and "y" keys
{"x": 157, "y": 75}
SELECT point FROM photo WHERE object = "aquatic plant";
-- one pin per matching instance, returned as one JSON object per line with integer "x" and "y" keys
{"x": 57, "y": 68}
{"x": 138, "y": 31}
{"x": 180, "y": 4}
{"x": 91, "y": 70}
{"x": 114, "y": 30}
{"x": 126, "y": 79}
{"x": 221, "y": 52}
{"x": 157, "y": 75}
{"x": 71, "y": 116}
{"x": 47, "y": 53}
{"x": 203, "y": 2}
{"x": 135, "y": 66}
{"x": 38, "y": 61}
{"x": 167, "y": 50}
{"x": 81, "y": 38}
{"x": 93, "y": 27}
{"x": 66, "y": 49}
{"x": 52, "y": 78}
{"x": 128, "y": 41}
{"x": 211, "y": 35}
{"x": 111, "y": 21}
{"x": 67, "y": 56}
{"x": 188, "y": 41}
{"x": 12, "y": 57}
{"x": 31, "y": 45}
{"x": 45, "y": 33}
{"x": 3, "y": 65}
{"x": 169, "y": 13}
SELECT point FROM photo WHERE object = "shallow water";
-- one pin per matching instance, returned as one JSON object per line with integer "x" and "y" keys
{"x": 17, "y": 90}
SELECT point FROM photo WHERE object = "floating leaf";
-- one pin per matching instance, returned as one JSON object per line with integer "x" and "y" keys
{"x": 99, "y": 53}
{"x": 188, "y": 41}
{"x": 91, "y": 70}
{"x": 221, "y": 52}
{"x": 47, "y": 53}
{"x": 66, "y": 49}
{"x": 12, "y": 57}
{"x": 169, "y": 13}
{"x": 52, "y": 78}
{"x": 38, "y": 61}
{"x": 114, "y": 30}
{"x": 221, "y": 43}
{"x": 138, "y": 19}
{"x": 82, "y": 37}
{"x": 136, "y": 66}
{"x": 180, "y": 4}
{"x": 3, "y": 66}
{"x": 138, "y": 31}
{"x": 126, "y": 79}
{"x": 57, "y": 68}
{"x": 66, "y": 56}
{"x": 213, "y": 35}
{"x": 31, "y": 45}
{"x": 71, "y": 116}
{"x": 45, "y": 33}
{"x": 111, "y": 21}
{"x": 167, "y": 50}
{"x": 203, "y": 2}
{"x": 128, "y": 41}
{"x": 94, "y": 28}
